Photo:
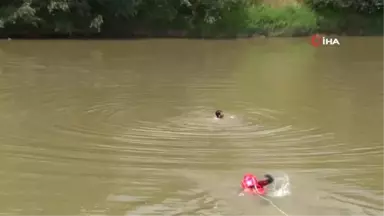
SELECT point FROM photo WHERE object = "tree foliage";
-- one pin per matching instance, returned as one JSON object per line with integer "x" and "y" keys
{"x": 69, "y": 16}
{"x": 93, "y": 16}
{"x": 361, "y": 6}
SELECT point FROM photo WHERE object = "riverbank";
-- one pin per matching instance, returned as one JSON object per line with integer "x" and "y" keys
{"x": 230, "y": 20}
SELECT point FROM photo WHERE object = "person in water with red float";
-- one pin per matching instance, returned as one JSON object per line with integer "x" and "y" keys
{"x": 251, "y": 185}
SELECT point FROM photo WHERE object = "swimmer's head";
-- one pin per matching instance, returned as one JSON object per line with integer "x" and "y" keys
{"x": 219, "y": 114}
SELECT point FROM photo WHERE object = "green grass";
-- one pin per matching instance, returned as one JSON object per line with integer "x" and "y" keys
{"x": 293, "y": 20}
{"x": 262, "y": 19}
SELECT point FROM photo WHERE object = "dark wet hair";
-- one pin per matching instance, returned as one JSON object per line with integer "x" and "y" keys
{"x": 219, "y": 114}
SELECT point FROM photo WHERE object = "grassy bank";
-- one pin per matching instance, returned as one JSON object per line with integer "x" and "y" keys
{"x": 187, "y": 18}
{"x": 300, "y": 20}
{"x": 288, "y": 20}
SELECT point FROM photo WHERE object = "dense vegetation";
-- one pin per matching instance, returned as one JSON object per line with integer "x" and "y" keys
{"x": 122, "y": 18}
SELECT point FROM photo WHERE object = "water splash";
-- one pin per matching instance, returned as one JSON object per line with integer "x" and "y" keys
{"x": 280, "y": 187}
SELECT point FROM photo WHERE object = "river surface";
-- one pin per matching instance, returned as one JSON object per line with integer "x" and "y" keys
{"x": 128, "y": 127}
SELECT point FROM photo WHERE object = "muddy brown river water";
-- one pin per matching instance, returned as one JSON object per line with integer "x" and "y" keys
{"x": 127, "y": 127}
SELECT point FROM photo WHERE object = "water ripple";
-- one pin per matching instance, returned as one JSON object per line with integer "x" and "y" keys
{"x": 199, "y": 131}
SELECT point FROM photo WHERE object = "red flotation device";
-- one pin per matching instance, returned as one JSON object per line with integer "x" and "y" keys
{"x": 258, "y": 190}
{"x": 251, "y": 185}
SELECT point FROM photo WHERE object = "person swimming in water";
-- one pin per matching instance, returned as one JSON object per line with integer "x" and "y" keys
{"x": 250, "y": 184}
{"x": 219, "y": 114}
